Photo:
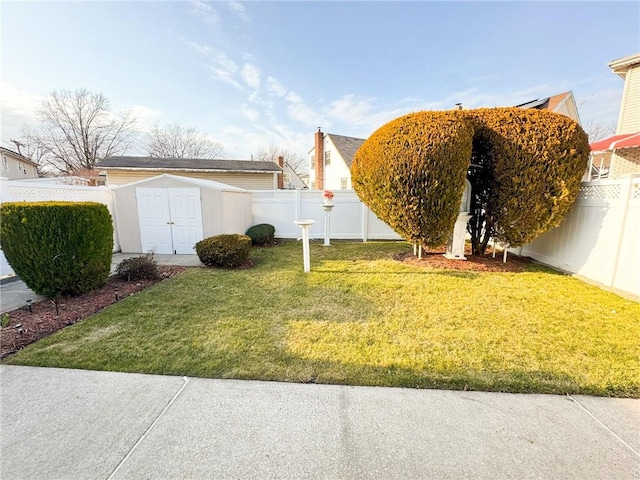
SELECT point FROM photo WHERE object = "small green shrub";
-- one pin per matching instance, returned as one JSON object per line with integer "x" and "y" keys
{"x": 227, "y": 251}
{"x": 261, "y": 234}
{"x": 58, "y": 248}
{"x": 138, "y": 268}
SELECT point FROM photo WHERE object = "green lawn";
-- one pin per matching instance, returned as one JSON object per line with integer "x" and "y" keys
{"x": 362, "y": 318}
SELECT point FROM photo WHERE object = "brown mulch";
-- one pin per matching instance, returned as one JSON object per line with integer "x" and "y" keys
{"x": 434, "y": 258}
{"x": 25, "y": 326}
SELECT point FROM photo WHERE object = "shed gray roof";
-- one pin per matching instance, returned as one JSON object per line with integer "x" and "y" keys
{"x": 214, "y": 165}
{"x": 347, "y": 146}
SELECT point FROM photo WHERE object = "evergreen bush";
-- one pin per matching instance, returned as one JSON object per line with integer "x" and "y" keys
{"x": 58, "y": 248}
{"x": 261, "y": 234}
{"x": 143, "y": 267}
{"x": 226, "y": 251}
{"x": 525, "y": 168}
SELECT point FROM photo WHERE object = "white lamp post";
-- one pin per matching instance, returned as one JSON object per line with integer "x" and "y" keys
{"x": 304, "y": 225}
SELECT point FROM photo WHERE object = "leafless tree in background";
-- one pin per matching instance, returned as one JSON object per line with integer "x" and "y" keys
{"x": 297, "y": 162}
{"x": 599, "y": 130}
{"x": 77, "y": 129}
{"x": 176, "y": 141}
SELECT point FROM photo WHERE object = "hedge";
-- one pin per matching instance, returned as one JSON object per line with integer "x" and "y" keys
{"x": 58, "y": 248}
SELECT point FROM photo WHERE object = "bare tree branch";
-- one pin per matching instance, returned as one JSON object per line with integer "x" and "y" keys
{"x": 176, "y": 141}
{"x": 77, "y": 130}
{"x": 598, "y": 130}
{"x": 271, "y": 153}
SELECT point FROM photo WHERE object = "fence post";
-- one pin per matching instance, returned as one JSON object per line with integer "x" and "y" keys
{"x": 365, "y": 223}
{"x": 626, "y": 191}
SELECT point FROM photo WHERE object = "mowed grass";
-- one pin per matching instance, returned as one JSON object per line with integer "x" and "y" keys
{"x": 362, "y": 318}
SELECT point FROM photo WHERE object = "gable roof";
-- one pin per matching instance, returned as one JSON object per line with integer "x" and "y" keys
{"x": 205, "y": 165}
{"x": 346, "y": 146}
{"x": 548, "y": 103}
{"x": 19, "y": 156}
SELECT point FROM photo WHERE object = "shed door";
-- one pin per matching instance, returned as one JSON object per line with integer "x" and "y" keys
{"x": 170, "y": 219}
{"x": 186, "y": 218}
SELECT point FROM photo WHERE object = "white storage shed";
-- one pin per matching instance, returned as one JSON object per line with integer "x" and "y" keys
{"x": 170, "y": 214}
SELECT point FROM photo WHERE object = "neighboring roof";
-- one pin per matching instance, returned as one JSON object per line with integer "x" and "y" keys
{"x": 194, "y": 181}
{"x": 628, "y": 140}
{"x": 549, "y": 103}
{"x": 621, "y": 65}
{"x": 21, "y": 157}
{"x": 185, "y": 164}
{"x": 347, "y": 146}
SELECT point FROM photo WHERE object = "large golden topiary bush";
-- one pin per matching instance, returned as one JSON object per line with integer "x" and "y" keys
{"x": 525, "y": 167}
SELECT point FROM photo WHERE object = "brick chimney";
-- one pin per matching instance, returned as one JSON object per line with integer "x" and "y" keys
{"x": 280, "y": 174}
{"x": 319, "y": 160}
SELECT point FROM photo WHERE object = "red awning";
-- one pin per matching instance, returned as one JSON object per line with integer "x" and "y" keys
{"x": 617, "y": 141}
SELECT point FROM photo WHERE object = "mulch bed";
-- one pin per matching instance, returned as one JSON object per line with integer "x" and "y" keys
{"x": 434, "y": 258}
{"x": 26, "y": 326}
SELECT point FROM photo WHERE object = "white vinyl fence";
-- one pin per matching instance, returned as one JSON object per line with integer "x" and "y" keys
{"x": 600, "y": 237}
{"x": 32, "y": 191}
{"x": 350, "y": 218}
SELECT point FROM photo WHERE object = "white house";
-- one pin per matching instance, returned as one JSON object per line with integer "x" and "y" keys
{"x": 619, "y": 155}
{"x": 330, "y": 161}
{"x": 17, "y": 167}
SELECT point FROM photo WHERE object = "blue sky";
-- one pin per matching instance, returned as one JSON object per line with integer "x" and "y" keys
{"x": 254, "y": 74}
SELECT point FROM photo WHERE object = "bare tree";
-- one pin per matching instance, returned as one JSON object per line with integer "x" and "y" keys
{"x": 297, "y": 162}
{"x": 176, "y": 141}
{"x": 596, "y": 130}
{"x": 77, "y": 129}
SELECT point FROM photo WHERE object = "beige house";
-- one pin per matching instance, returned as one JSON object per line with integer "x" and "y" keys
{"x": 563, "y": 103}
{"x": 619, "y": 155}
{"x": 330, "y": 161}
{"x": 245, "y": 174}
{"x": 16, "y": 167}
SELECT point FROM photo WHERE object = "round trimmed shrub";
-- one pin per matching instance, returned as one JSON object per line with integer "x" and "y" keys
{"x": 411, "y": 173}
{"x": 525, "y": 168}
{"x": 143, "y": 267}
{"x": 226, "y": 251}
{"x": 261, "y": 234}
{"x": 58, "y": 248}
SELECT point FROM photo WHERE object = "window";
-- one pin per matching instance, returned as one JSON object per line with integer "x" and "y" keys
{"x": 344, "y": 183}
{"x": 5, "y": 164}
{"x": 286, "y": 177}
{"x": 313, "y": 162}
{"x": 327, "y": 158}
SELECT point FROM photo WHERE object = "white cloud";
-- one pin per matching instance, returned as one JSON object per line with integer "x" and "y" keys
{"x": 251, "y": 75}
{"x": 224, "y": 68}
{"x": 304, "y": 114}
{"x": 293, "y": 97}
{"x": 275, "y": 87}
{"x": 145, "y": 117}
{"x": 204, "y": 11}
{"x": 239, "y": 10}
{"x": 18, "y": 107}
{"x": 252, "y": 114}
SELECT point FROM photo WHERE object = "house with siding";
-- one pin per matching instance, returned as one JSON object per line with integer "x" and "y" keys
{"x": 17, "y": 167}
{"x": 247, "y": 174}
{"x": 330, "y": 161}
{"x": 563, "y": 103}
{"x": 619, "y": 155}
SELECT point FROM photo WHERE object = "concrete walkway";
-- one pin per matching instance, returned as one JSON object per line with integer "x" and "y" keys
{"x": 14, "y": 293}
{"x": 73, "y": 424}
